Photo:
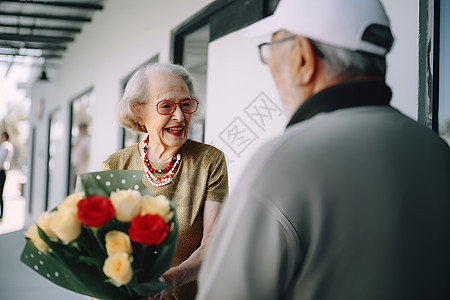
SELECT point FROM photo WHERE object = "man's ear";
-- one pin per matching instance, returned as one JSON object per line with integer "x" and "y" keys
{"x": 303, "y": 61}
{"x": 137, "y": 109}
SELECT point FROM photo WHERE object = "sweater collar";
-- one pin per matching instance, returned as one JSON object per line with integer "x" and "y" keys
{"x": 343, "y": 95}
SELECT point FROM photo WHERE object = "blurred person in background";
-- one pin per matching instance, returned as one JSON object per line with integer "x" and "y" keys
{"x": 160, "y": 100}
{"x": 6, "y": 154}
{"x": 353, "y": 200}
{"x": 80, "y": 155}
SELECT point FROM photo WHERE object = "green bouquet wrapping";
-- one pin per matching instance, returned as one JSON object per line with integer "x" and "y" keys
{"x": 113, "y": 240}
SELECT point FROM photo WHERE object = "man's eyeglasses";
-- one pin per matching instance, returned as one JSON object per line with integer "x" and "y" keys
{"x": 265, "y": 51}
{"x": 167, "y": 107}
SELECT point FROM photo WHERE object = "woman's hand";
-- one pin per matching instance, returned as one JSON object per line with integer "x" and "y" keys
{"x": 188, "y": 270}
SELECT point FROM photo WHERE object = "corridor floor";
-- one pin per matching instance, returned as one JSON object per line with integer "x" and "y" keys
{"x": 17, "y": 281}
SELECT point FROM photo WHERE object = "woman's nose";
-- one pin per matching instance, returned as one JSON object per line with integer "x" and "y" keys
{"x": 178, "y": 113}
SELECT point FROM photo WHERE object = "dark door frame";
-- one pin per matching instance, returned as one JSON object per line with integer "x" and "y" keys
{"x": 429, "y": 30}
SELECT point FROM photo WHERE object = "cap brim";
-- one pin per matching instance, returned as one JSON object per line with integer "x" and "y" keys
{"x": 265, "y": 26}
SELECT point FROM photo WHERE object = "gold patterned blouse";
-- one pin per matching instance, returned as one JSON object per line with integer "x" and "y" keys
{"x": 202, "y": 175}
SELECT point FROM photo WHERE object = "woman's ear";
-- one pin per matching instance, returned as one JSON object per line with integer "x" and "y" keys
{"x": 137, "y": 110}
{"x": 303, "y": 61}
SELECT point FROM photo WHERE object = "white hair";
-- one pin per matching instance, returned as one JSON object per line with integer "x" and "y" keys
{"x": 348, "y": 63}
{"x": 137, "y": 90}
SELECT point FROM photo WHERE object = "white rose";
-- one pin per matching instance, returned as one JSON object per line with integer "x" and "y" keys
{"x": 33, "y": 234}
{"x": 66, "y": 225}
{"x": 71, "y": 201}
{"x": 118, "y": 268}
{"x": 44, "y": 223}
{"x": 157, "y": 206}
{"x": 127, "y": 204}
{"x": 116, "y": 242}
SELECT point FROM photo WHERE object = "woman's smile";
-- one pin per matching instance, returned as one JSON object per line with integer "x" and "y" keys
{"x": 176, "y": 130}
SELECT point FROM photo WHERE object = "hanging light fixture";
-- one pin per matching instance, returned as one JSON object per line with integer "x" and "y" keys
{"x": 44, "y": 74}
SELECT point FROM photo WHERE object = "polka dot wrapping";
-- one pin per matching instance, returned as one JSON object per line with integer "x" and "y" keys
{"x": 64, "y": 267}
{"x": 52, "y": 269}
{"x": 102, "y": 183}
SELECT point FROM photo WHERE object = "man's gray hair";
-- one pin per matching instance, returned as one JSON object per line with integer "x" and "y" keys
{"x": 137, "y": 90}
{"x": 348, "y": 63}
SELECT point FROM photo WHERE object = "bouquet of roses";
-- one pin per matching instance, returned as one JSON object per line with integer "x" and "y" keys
{"x": 113, "y": 240}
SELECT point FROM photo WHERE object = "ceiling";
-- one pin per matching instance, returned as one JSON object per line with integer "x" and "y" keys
{"x": 41, "y": 30}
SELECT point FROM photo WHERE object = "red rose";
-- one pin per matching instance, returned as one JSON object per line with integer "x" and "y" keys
{"x": 148, "y": 229}
{"x": 95, "y": 211}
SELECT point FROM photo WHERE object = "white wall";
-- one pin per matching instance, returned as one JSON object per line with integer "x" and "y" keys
{"x": 121, "y": 37}
{"x": 44, "y": 101}
{"x": 236, "y": 77}
{"x": 245, "y": 109}
{"x": 403, "y": 64}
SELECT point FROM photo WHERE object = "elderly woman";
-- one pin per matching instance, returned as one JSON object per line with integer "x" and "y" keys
{"x": 160, "y": 101}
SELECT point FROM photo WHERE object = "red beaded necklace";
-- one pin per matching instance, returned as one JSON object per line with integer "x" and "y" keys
{"x": 149, "y": 171}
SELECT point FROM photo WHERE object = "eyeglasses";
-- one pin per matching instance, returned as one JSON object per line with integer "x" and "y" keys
{"x": 265, "y": 51}
{"x": 167, "y": 107}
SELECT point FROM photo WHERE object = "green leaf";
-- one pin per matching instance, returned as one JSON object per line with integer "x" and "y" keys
{"x": 84, "y": 278}
{"x": 94, "y": 261}
{"x": 52, "y": 269}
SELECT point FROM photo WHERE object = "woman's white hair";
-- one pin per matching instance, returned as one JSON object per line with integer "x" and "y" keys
{"x": 137, "y": 90}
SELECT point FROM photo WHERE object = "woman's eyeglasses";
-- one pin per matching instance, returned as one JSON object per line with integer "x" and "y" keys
{"x": 167, "y": 107}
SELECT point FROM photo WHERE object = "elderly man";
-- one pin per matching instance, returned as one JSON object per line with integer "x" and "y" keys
{"x": 353, "y": 200}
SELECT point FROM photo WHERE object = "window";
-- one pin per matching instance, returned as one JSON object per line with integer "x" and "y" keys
{"x": 191, "y": 40}
{"x": 195, "y": 60}
{"x": 81, "y": 118}
{"x": 55, "y": 138}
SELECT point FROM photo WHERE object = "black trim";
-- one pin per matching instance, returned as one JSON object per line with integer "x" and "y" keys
{"x": 269, "y": 7}
{"x": 47, "y": 16}
{"x": 39, "y": 27}
{"x": 436, "y": 52}
{"x": 235, "y": 16}
{"x": 224, "y": 17}
{"x": 47, "y": 189}
{"x": 46, "y": 39}
{"x": 30, "y": 187}
{"x": 425, "y": 85}
{"x": 69, "y": 155}
{"x": 72, "y": 4}
{"x": 196, "y": 22}
{"x": 429, "y": 30}
{"x": 343, "y": 95}
{"x": 32, "y": 45}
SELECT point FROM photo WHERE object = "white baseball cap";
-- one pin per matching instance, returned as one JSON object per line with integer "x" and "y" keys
{"x": 348, "y": 24}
